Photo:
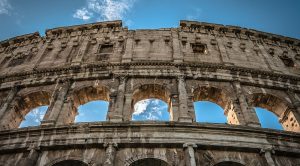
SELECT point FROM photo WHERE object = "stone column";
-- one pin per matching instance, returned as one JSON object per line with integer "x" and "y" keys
{"x": 13, "y": 92}
{"x": 110, "y": 153}
{"x": 116, "y": 115}
{"x": 189, "y": 154}
{"x": 58, "y": 100}
{"x": 173, "y": 106}
{"x": 129, "y": 48}
{"x": 78, "y": 58}
{"x": 127, "y": 110}
{"x": 31, "y": 159}
{"x": 268, "y": 155}
{"x": 183, "y": 104}
{"x": 248, "y": 112}
{"x": 177, "y": 55}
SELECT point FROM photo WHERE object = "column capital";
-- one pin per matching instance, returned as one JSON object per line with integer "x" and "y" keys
{"x": 267, "y": 150}
{"x": 193, "y": 145}
{"x": 110, "y": 145}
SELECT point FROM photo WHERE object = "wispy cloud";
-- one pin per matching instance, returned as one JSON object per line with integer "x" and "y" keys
{"x": 149, "y": 109}
{"x": 104, "y": 10}
{"x": 83, "y": 14}
{"x": 5, "y": 7}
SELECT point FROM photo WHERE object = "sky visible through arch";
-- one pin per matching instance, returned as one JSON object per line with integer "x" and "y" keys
{"x": 18, "y": 17}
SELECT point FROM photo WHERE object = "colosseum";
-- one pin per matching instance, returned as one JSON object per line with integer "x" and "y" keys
{"x": 237, "y": 68}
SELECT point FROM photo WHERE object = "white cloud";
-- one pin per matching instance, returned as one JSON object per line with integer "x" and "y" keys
{"x": 141, "y": 106}
{"x": 105, "y": 10}
{"x": 83, "y": 14}
{"x": 4, "y": 7}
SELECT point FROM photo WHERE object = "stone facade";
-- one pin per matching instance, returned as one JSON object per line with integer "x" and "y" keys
{"x": 237, "y": 68}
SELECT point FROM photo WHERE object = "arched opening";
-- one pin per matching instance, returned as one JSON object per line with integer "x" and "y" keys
{"x": 151, "y": 102}
{"x": 209, "y": 112}
{"x": 280, "y": 107}
{"x": 149, "y": 162}
{"x": 70, "y": 163}
{"x": 34, "y": 117}
{"x": 268, "y": 119}
{"x": 151, "y": 109}
{"x": 213, "y": 105}
{"x": 229, "y": 163}
{"x": 91, "y": 104}
{"x": 24, "y": 104}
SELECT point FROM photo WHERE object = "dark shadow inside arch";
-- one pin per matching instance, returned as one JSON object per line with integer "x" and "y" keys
{"x": 70, "y": 163}
{"x": 209, "y": 112}
{"x": 151, "y": 109}
{"x": 149, "y": 162}
{"x": 229, "y": 163}
{"x": 268, "y": 119}
{"x": 92, "y": 111}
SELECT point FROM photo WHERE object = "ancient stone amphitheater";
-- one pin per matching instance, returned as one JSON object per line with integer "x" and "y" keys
{"x": 237, "y": 68}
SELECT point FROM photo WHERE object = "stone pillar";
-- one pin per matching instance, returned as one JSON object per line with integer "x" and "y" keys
{"x": 32, "y": 157}
{"x": 116, "y": 115}
{"x": 248, "y": 112}
{"x": 174, "y": 107}
{"x": 56, "y": 104}
{"x": 13, "y": 92}
{"x": 110, "y": 153}
{"x": 189, "y": 154}
{"x": 129, "y": 48}
{"x": 78, "y": 58}
{"x": 268, "y": 155}
{"x": 127, "y": 110}
{"x": 177, "y": 55}
{"x": 183, "y": 104}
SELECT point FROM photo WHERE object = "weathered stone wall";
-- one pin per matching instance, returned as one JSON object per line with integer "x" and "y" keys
{"x": 237, "y": 68}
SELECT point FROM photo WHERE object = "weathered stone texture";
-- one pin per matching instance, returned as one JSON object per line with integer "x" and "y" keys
{"x": 237, "y": 68}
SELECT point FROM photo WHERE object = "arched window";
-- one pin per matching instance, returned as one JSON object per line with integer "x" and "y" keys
{"x": 268, "y": 119}
{"x": 91, "y": 103}
{"x": 151, "y": 102}
{"x": 280, "y": 107}
{"x": 92, "y": 111}
{"x": 210, "y": 112}
{"x": 23, "y": 107}
{"x": 151, "y": 109}
{"x": 149, "y": 162}
{"x": 34, "y": 117}
{"x": 213, "y": 105}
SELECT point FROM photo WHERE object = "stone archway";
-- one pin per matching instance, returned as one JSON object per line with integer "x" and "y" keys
{"x": 85, "y": 95}
{"x": 149, "y": 91}
{"x": 70, "y": 163}
{"x": 219, "y": 97}
{"x": 22, "y": 105}
{"x": 280, "y": 107}
{"x": 149, "y": 162}
{"x": 228, "y": 163}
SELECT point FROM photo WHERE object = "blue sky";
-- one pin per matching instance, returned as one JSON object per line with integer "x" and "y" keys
{"x": 26, "y": 16}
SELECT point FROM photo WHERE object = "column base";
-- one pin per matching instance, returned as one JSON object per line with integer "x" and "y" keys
{"x": 185, "y": 119}
{"x": 47, "y": 123}
{"x": 126, "y": 60}
{"x": 116, "y": 119}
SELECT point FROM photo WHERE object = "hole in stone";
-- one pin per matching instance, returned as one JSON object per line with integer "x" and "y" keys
{"x": 151, "y": 109}
{"x": 34, "y": 117}
{"x": 92, "y": 111}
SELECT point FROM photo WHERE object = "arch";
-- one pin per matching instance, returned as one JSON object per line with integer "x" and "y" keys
{"x": 34, "y": 117}
{"x": 70, "y": 162}
{"x": 87, "y": 95}
{"x": 148, "y": 91}
{"x": 22, "y": 105}
{"x": 149, "y": 162}
{"x": 219, "y": 97}
{"x": 209, "y": 112}
{"x": 282, "y": 108}
{"x": 268, "y": 119}
{"x": 228, "y": 163}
